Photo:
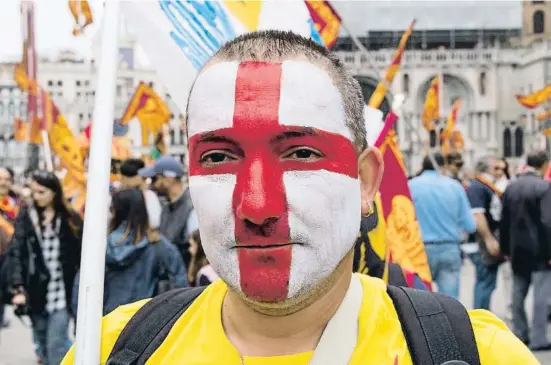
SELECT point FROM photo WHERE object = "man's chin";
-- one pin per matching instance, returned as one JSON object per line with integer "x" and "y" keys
{"x": 281, "y": 307}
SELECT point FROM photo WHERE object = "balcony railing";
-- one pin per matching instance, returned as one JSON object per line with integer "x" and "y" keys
{"x": 381, "y": 59}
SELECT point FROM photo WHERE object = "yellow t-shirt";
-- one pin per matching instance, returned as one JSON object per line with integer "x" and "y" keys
{"x": 198, "y": 338}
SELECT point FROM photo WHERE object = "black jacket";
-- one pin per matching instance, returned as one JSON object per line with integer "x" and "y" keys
{"x": 525, "y": 227}
{"x": 27, "y": 265}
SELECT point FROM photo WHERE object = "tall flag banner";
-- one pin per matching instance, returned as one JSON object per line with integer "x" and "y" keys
{"x": 457, "y": 142}
{"x": 326, "y": 20}
{"x": 535, "y": 99}
{"x": 403, "y": 235}
{"x": 451, "y": 122}
{"x": 82, "y": 13}
{"x": 543, "y": 115}
{"x": 26, "y": 72}
{"x": 159, "y": 147}
{"x": 151, "y": 111}
{"x": 449, "y": 128}
{"x": 20, "y": 130}
{"x": 379, "y": 94}
{"x": 431, "y": 110}
{"x": 545, "y": 119}
{"x": 178, "y": 37}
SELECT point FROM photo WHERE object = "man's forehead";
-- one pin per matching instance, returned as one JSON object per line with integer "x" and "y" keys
{"x": 306, "y": 95}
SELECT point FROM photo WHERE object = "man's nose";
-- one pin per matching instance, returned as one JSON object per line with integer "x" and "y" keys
{"x": 259, "y": 193}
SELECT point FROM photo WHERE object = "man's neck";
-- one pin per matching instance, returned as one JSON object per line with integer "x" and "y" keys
{"x": 257, "y": 334}
{"x": 175, "y": 192}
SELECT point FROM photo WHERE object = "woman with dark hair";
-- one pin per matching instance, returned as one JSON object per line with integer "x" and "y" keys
{"x": 200, "y": 273}
{"x": 135, "y": 260}
{"x": 44, "y": 259}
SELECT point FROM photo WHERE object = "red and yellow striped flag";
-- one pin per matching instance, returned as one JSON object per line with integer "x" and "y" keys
{"x": 82, "y": 13}
{"x": 326, "y": 20}
{"x": 543, "y": 116}
{"x": 150, "y": 109}
{"x": 431, "y": 111}
{"x": 403, "y": 235}
{"x": 379, "y": 94}
{"x": 20, "y": 130}
{"x": 457, "y": 141}
{"x": 535, "y": 99}
{"x": 451, "y": 122}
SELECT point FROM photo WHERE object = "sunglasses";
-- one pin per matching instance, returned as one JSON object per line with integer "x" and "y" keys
{"x": 459, "y": 164}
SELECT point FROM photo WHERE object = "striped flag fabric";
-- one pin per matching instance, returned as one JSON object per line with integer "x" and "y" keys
{"x": 326, "y": 20}
{"x": 536, "y": 98}
{"x": 178, "y": 37}
{"x": 379, "y": 94}
{"x": 431, "y": 110}
{"x": 82, "y": 13}
{"x": 151, "y": 111}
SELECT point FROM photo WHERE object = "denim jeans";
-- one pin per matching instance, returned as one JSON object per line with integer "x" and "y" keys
{"x": 51, "y": 331}
{"x": 445, "y": 267}
{"x": 486, "y": 278}
{"x": 537, "y": 334}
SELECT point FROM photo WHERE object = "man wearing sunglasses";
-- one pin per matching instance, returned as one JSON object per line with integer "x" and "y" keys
{"x": 178, "y": 219}
{"x": 455, "y": 164}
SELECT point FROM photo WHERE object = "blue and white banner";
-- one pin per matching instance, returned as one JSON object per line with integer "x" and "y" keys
{"x": 179, "y": 36}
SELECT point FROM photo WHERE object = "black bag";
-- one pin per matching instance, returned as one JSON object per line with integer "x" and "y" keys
{"x": 437, "y": 328}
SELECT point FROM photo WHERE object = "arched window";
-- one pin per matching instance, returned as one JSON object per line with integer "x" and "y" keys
{"x": 519, "y": 142}
{"x": 406, "y": 84}
{"x": 538, "y": 20}
{"x": 482, "y": 83}
{"x": 507, "y": 143}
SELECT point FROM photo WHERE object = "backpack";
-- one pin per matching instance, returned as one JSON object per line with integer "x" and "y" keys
{"x": 436, "y": 327}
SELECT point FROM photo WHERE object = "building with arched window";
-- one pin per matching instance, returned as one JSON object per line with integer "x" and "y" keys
{"x": 485, "y": 55}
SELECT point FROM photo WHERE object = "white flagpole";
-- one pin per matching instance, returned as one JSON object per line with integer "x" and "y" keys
{"x": 90, "y": 299}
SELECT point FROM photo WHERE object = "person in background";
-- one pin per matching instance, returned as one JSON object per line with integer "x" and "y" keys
{"x": 200, "y": 272}
{"x": 526, "y": 239}
{"x": 485, "y": 199}
{"x": 178, "y": 218}
{"x": 503, "y": 178}
{"x": 134, "y": 263}
{"x": 131, "y": 179}
{"x": 443, "y": 212}
{"x": 48, "y": 237}
{"x": 454, "y": 164}
{"x": 9, "y": 208}
{"x": 501, "y": 173}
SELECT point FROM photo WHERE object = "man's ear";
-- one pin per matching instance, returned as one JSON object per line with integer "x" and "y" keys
{"x": 370, "y": 171}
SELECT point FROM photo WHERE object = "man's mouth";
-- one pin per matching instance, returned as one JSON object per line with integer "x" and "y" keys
{"x": 263, "y": 247}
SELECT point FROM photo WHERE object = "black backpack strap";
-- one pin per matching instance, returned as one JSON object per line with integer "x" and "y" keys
{"x": 437, "y": 328}
{"x": 150, "y": 325}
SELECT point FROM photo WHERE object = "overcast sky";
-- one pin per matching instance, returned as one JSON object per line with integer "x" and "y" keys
{"x": 54, "y": 21}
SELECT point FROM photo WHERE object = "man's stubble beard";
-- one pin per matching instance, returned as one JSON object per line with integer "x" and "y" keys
{"x": 293, "y": 305}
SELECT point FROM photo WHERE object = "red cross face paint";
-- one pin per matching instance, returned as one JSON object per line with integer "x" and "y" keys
{"x": 273, "y": 176}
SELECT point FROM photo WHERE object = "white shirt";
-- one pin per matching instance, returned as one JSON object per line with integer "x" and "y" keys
{"x": 153, "y": 205}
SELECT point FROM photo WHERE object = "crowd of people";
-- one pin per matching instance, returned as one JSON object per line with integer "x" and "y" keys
{"x": 283, "y": 188}
{"x": 153, "y": 246}
{"x": 500, "y": 221}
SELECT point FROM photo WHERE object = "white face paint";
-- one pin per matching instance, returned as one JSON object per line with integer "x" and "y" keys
{"x": 273, "y": 176}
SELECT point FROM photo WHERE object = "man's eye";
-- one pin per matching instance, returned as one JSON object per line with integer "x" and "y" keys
{"x": 303, "y": 154}
{"x": 214, "y": 158}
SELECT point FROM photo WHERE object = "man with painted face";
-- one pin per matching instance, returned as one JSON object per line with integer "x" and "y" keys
{"x": 279, "y": 176}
